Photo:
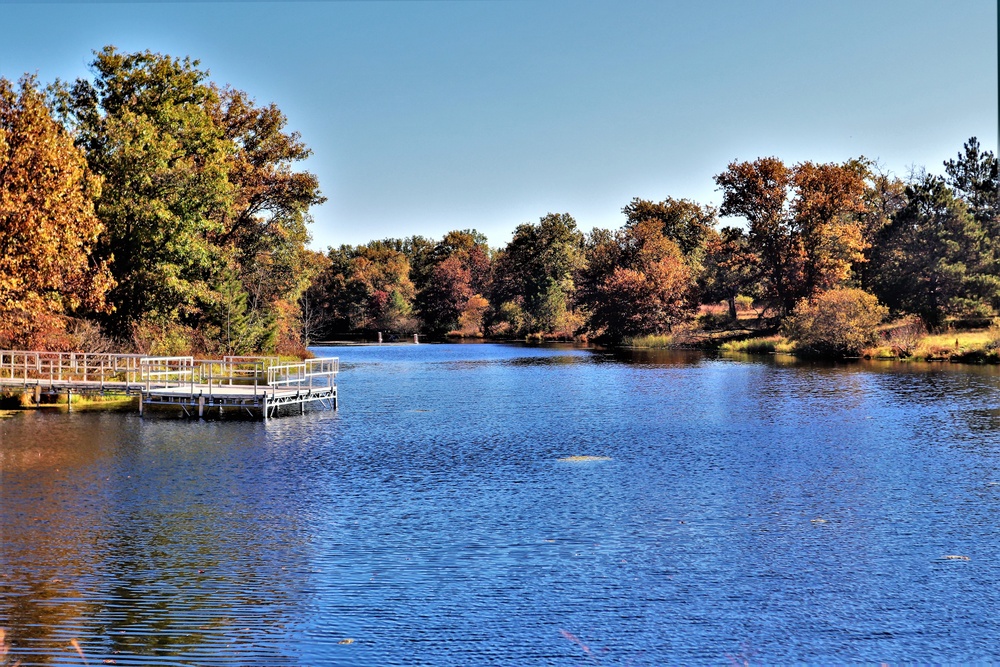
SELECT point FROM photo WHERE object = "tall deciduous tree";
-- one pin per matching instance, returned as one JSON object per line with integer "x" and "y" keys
{"x": 686, "y": 223}
{"x": 730, "y": 268}
{"x": 265, "y": 228}
{"x": 535, "y": 272}
{"x": 804, "y": 222}
{"x": 636, "y": 281}
{"x": 456, "y": 269}
{"x": 759, "y": 191}
{"x": 47, "y": 224}
{"x": 145, "y": 126}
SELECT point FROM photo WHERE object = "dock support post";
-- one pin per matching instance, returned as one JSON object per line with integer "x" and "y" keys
{"x": 201, "y": 406}
{"x": 265, "y": 407}
{"x": 141, "y": 397}
{"x": 69, "y": 400}
{"x": 379, "y": 337}
{"x": 38, "y": 394}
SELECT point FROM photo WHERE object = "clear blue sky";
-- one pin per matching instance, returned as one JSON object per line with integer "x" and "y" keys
{"x": 430, "y": 116}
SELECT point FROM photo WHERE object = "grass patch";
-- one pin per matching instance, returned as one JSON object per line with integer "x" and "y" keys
{"x": 767, "y": 345}
{"x": 980, "y": 346}
{"x": 650, "y": 341}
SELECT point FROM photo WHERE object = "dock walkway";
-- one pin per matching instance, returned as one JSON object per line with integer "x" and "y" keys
{"x": 259, "y": 386}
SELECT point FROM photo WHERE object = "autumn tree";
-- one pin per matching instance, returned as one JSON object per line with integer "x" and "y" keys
{"x": 730, "y": 268}
{"x": 445, "y": 295}
{"x": 265, "y": 227}
{"x": 829, "y": 200}
{"x": 803, "y": 222}
{"x": 452, "y": 272}
{"x": 759, "y": 192}
{"x": 885, "y": 197}
{"x": 636, "y": 281}
{"x": 47, "y": 224}
{"x": 364, "y": 288}
{"x": 686, "y": 223}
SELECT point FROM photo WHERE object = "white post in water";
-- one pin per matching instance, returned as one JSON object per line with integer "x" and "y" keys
{"x": 415, "y": 341}
{"x": 379, "y": 337}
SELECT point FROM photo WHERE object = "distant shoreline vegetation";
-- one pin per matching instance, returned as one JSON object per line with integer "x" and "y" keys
{"x": 148, "y": 208}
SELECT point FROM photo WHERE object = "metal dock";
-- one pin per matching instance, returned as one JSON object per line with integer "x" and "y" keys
{"x": 258, "y": 386}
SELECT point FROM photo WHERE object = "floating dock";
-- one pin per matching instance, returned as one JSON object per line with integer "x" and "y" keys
{"x": 257, "y": 386}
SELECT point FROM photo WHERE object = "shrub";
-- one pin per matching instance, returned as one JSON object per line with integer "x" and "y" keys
{"x": 839, "y": 322}
{"x": 904, "y": 337}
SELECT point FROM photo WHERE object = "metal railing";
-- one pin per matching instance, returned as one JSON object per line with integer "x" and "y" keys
{"x": 25, "y": 367}
{"x": 309, "y": 374}
{"x": 166, "y": 372}
{"x": 96, "y": 369}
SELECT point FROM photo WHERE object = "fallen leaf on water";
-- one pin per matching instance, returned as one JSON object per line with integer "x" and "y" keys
{"x": 819, "y": 521}
{"x": 954, "y": 557}
{"x": 346, "y": 641}
{"x": 75, "y": 644}
{"x": 584, "y": 459}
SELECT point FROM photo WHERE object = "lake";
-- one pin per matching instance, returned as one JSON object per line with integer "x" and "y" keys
{"x": 734, "y": 511}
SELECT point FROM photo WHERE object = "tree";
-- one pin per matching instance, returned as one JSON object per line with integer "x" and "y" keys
{"x": 804, "y": 222}
{"x": 759, "y": 192}
{"x": 47, "y": 224}
{"x": 829, "y": 198}
{"x": 684, "y": 222}
{"x": 974, "y": 177}
{"x": 840, "y": 322}
{"x": 445, "y": 296}
{"x": 636, "y": 282}
{"x": 885, "y": 196}
{"x": 265, "y": 228}
{"x": 145, "y": 126}
{"x": 364, "y": 288}
{"x": 452, "y": 271}
{"x": 931, "y": 259}
{"x": 536, "y": 272}
{"x": 730, "y": 269}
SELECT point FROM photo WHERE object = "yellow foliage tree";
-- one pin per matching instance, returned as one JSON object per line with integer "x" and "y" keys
{"x": 47, "y": 224}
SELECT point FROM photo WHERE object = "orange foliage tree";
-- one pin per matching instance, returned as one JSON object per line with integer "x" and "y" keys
{"x": 47, "y": 224}
{"x": 805, "y": 222}
{"x": 637, "y": 282}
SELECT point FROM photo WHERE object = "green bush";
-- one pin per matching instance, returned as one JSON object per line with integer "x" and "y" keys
{"x": 840, "y": 322}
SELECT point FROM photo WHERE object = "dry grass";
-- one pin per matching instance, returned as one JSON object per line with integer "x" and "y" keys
{"x": 972, "y": 346}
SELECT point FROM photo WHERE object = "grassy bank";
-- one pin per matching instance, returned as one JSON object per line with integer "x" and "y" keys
{"x": 981, "y": 346}
{"x": 18, "y": 400}
{"x": 973, "y": 346}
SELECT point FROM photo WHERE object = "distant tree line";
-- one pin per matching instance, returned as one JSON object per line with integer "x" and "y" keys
{"x": 928, "y": 246}
{"x": 147, "y": 207}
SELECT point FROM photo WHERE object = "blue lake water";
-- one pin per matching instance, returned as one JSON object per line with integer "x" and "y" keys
{"x": 758, "y": 511}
